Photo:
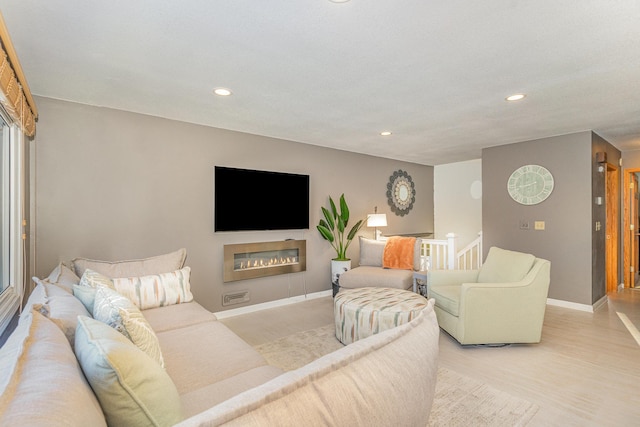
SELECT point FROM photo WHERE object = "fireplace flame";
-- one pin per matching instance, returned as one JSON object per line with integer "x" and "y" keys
{"x": 267, "y": 262}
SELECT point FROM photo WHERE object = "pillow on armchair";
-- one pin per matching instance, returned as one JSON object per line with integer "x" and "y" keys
{"x": 503, "y": 266}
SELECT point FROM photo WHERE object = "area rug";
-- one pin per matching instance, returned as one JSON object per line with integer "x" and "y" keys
{"x": 459, "y": 400}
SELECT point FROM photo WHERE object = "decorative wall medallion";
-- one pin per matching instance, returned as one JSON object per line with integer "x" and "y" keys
{"x": 401, "y": 192}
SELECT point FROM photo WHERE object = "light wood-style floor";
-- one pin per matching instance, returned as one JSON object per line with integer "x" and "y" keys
{"x": 585, "y": 372}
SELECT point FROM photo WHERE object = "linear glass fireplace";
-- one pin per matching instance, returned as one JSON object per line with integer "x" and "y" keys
{"x": 251, "y": 260}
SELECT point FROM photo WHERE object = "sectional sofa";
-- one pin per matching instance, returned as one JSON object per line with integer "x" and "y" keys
{"x": 125, "y": 344}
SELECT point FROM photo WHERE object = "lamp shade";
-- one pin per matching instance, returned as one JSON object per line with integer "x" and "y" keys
{"x": 377, "y": 220}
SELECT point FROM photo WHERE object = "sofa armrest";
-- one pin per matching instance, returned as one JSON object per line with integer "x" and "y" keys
{"x": 450, "y": 277}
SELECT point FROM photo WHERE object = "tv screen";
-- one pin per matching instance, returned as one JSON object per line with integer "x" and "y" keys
{"x": 251, "y": 200}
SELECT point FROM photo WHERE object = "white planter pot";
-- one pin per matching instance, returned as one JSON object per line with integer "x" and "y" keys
{"x": 337, "y": 268}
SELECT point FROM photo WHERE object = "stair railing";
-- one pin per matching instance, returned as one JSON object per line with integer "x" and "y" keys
{"x": 470, "y": 257}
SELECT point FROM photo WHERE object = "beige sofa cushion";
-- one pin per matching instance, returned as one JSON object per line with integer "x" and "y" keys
{"x": 133, "y": 268}
{"x": 199, "y": 400}
{"x": 376, "y": 277}
{"x": 177, "y": 316}
{"x": 132, "y": 389}
{"x": 205, "y": 353}
{"x": 503, "y": 266}
{"x": 39, "y": 370}
{"x": 380, "y": 380}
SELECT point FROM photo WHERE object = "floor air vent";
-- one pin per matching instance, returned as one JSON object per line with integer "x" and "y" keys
{"x": 235, "y": 298}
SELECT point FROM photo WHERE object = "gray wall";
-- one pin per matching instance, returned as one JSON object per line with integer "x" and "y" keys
{"x": 117, "y": 185}
{"x": 566, "y": 240}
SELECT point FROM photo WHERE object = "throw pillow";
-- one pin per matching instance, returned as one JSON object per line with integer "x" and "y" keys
{"x": 35, "y": 362}
{"x": 133, "y": 268}
{"x": 399, "y": 253}
{"x": 85, "y": 291}
{"x": 132, "y": 390}
{"x": 61, "y": 276}
{"x": 86, "y": 295}
{"x": 93, "y": 279}
{"x": 504, "y": 266}
{"x": 157, "y": 290}
{"x": 120, "y": 313}
{"x": 62, "y": 309}
{"x": 371, "y": 252}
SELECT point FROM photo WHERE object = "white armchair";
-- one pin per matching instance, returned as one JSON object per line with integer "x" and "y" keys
{"x": 503, "y": 302}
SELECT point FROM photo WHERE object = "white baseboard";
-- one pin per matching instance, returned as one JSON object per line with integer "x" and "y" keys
{"x": 576, "y": 306}
{"x": 271, "y": 304}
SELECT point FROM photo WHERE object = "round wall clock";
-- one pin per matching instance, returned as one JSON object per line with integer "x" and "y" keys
{"x": 401, "y": 192}
{"x": 530, "y": 184}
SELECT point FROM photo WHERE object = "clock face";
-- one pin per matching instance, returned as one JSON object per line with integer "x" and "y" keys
{"x": 530, "y": 184}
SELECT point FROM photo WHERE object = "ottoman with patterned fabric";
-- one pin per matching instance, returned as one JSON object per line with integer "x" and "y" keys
{"x": 362, "y": 312}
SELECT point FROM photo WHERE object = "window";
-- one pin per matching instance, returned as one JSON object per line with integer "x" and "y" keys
{"x": 11, "y": 190}
{"x": 5, "y": 215}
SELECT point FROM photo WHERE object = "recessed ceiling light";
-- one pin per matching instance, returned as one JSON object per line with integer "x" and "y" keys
{"x": 385, "y": 133}
{"x": 516, "y": 97}
{"x": 222, "y": 91}
{"x": 338, "y": 1}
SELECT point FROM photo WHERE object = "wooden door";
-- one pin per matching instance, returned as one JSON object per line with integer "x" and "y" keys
{"x": 631, "y": 248}
{"x": 612, "y": 224}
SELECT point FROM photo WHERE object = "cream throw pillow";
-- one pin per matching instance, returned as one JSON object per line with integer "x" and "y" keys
{"x": 157, "y": 290}
{"x": 371, "y": 252}
{"x": 132, "y": 390}
{"x": 120, "y": 313}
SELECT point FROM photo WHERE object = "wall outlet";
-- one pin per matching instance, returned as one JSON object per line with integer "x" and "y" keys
{"x": 538, "y": 225}
{"x": 524, "y": 224}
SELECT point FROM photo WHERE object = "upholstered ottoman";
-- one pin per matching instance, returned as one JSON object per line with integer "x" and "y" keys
{"x": 362, "y": 312}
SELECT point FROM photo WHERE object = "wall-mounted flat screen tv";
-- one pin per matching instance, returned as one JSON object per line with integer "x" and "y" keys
{"x": 253, "y": 200}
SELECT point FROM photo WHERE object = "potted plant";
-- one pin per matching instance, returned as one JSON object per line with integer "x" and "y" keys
{"x": 332, "y": 228}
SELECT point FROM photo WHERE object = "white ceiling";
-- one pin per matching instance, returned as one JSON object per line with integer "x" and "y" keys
{"x": 434, "y": 72}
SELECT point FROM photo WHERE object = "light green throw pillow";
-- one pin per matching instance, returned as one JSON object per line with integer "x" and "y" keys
{"x": 86, "y": 295}
{"x": 503, "y": 266}
{"x": 131, "y": 388}
{"x": 120, "y": 313}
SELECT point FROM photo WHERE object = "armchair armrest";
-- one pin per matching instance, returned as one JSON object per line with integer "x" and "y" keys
{"x": 451, "y": 277}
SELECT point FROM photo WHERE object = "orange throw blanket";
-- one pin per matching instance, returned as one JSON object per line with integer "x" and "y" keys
{"x": 398, "y": 253}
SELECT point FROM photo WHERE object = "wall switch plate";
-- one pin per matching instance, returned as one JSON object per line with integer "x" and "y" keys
{"x": 538, "y": 225}
{"x": 524, "y": 224}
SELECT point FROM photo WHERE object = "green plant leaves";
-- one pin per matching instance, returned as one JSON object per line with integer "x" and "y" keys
{"x": 334, "y": 224}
